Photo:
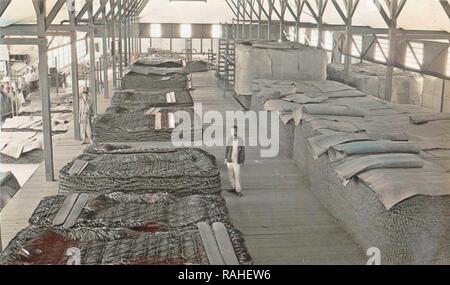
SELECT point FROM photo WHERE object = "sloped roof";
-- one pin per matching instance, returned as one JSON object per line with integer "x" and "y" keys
{"x": 22, "y": 12}
{"x": 416, "y": 15}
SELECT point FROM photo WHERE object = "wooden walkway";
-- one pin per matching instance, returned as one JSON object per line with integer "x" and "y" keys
{"x": 282, "y": 221}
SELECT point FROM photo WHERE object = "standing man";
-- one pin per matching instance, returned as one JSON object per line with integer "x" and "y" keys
{"x": 86, "y": 115}
{"x": 234, "y": 159}
{"x": 10, "y": 95}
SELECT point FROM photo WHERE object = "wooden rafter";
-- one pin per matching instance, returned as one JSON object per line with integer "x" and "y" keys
{"x": 3, "y": 6}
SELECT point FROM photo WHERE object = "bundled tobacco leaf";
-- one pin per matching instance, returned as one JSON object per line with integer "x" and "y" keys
{"x": 140, "y": 213}
{"x": 182, "y": 172}
{"x": 38, "y": 245}
{"x": 143, "y": 126}
{"x": 161, "y": 63}
{"x": 33, "y": 157}
{"x": 104, "y": 148}
{"x": 141, "y": 100}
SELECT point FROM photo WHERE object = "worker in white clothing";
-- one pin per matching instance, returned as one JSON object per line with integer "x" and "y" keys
{"x": 235, "y": 158}
{"x": 86, "y": 115}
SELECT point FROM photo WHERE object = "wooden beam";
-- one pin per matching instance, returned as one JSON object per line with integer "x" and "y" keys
{"x": 92, "y": 78}
{"x": 120, "y": 37}
{"x": 382, "y": 12}
{"x": 99, "y": 11}
{"x": 3, "y": 6}
{"x": 22, "y": 41}
{"x": 314, "y": 14}
{"x": 272, "y": 7}
{"x": 105, "y": 51}
{"x": 293, "y": 14}
{"x": 74, "y": 71}
{"x": 392, "y": 50}
{"x": 299, "y": 4}
{"x": 231, "y": 7}
{"x": 244, "y": 4}
{"x": 446, "y": 6}
{"x": 261, "y": 5}
{"x": 339, "y": 10}
{"x": 252, "y": 6}
{"x": 239, "y": 13}
{"x": 113, "y": 46}
{"x": 112, "y": 8}
{"x": 54, "y": 12}
{"x": 82, "y": 12}
{"x": 348, "y": 40}
{"x": 44, "y": 90}
{"x": 400, "y": 8}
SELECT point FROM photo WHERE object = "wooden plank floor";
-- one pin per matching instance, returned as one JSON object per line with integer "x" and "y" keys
{"x": 15, "y": 215}
{"x": 282, "y": 221}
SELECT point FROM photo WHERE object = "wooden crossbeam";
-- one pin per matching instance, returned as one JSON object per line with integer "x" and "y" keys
{"x": 99, "y": 11}
{"x": 272, "y": 7}
{"x": 82, "y": 12}
{"x": 339, "y": 10}
{"x": 231, "y": 8}
{"x": 261, "y": 6}
{"x": 252, "y": 6}
{"x": 54, "y": 12}
{"x": 3, "y": 6}
{"x": 383, "y": 13}
{"x": 314, "y": 14}
{"x": 446, "y": 6}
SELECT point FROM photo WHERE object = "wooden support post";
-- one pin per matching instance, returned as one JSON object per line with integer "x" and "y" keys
{"x": 91, "y": 36}
{"x": 259, "y": 21}
{"x": 283, "y": 10}
{"x": 238, "y": 9}
{"x": 125, "y": 41}
{"x": 444, "y": 81}
{"x": 130, "y": 35}
{"x": 392, "y": 50}
{"x": 244, "y": 10}
{"x": 250, "y": 29}
{"x": 114, "y": 55}
{"x": 105, "y": 54}
{"x": 74, "y": 71}
{"x": 120, "y": 42}
{"x": 269, "y": 19}
{"x": 298, "y": 11}
{"x": 44, "y": 89}
{"x": 348, "y": 41}
{"x": 320, "y": 12}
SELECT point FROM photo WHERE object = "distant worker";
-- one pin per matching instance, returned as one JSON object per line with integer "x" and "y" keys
{"x": 234, "y": 159}
{"x": 20, "y": 99}
{"x": 86, "y": 115}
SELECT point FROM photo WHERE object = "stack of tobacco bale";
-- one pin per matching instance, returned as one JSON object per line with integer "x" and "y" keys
{"x": 140, "y": 100}
{"x": 154, "y": 78}
{"x": 153, "y": 125}
{"x": 179, "y": 172}
{"x": 370, "y": 78}
{"x": 380, "y": 168}
{"x": 122, "y": 204}
{"x": 149, "y": 111}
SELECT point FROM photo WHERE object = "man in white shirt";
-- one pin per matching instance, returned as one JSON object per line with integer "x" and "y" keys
{"x": 86, "y": 115}
{"x": 234, "y": 159}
